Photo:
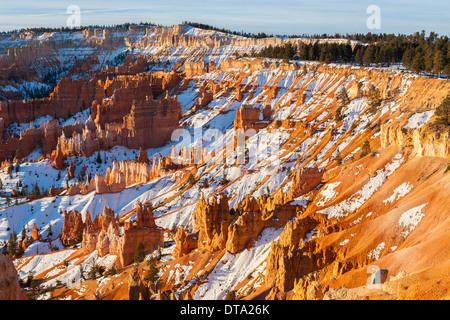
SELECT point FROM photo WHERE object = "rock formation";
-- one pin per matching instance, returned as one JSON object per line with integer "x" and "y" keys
{"x": 250, "y": 117}
{"x": 212, "y": 220}
{"x": 136, "y": 288}
{"x": 143, "y": 157}
{"x": 104, "y": 236}
{"x": 219, "y": 227}
{"x": 184, "y": 243}
{"x": 73, "y": 227}
{"x": 9, "y": 284}
{"x": 304, "y": 180}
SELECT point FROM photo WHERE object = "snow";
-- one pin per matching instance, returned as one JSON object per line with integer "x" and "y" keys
{"x": 73, "y": 274}
{"x": 410, "y": 219}
{"x": 375, "y": 253}
{"x": 399, "y": 192}
{"x": 236, "y": 268}
{"x": 41, "y": 263}
{"x": 328, "y": 193}
{"x": 355, "y": 201}
{"x": 16, "y": 128}
{"x": 417, "y": 120}
{"x": 265, "y": 172}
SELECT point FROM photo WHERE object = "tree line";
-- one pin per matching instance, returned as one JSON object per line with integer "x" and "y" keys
{"x": 418, "y": 53}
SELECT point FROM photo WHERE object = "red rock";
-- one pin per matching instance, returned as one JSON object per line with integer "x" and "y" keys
{"x": 143, "y": 156}
{"x": 9, "y": 284}
{"x": 103, "y": 235}
{"x": 304, "y": 180}
{"x": 184, "y": 243}
{"x": 72, "y": 228}
{"x": 71, "y": 171}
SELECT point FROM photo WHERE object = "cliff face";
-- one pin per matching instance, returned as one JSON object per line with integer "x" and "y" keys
{"x": 72, "y": 228}
{"x": 425, "y": 140}
{"x": 129, "y": 116}
{"x": 248, "y": 117}
{"x": 74, "y": 96}
{"x": 220, "y": 228}
{"x": 104, "y": 236}
{"x": 304, "y": 180}
{"x": 212, "y": 222}
{"x": 9, "y": 284}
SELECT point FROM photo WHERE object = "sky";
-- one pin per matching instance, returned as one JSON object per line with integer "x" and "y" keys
{"x": 277, "y": 17}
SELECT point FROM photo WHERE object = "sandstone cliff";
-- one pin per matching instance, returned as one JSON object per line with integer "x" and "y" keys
{"x": 9, "y": 284}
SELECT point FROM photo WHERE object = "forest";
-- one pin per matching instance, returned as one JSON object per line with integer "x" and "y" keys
{"x": 417, "y": 52}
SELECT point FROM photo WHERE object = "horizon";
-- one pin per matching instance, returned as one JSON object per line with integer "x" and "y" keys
{"x": 286, "y": 17}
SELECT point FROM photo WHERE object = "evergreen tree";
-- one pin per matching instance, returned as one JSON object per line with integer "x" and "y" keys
{"x": 365, "y": 149}
{"x": 418, "y": 63}
{"x": 139, "y": 253}
{"x": 438, "y": 63}
{"x": 443, "y": 114}
{"x": 191, "y": 179}
{"x": 36, "y": 192}
{"x": 23, "y": 233}
{"x": 428, "y": 60}
{"x": 99, "y": 157}
{"x": 344, "y": 98}
{"x": 369, "y": 56}
{"x": 374, "y": 98}
{"x": 151, "y": 276}
{"x": 230, "y": 295}
{"x": 12, "y": 244}
{"x": 338, "y": 158}
{"x": 359, "y": 55}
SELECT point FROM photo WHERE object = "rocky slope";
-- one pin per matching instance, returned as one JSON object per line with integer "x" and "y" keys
{"x": 236, "y": 174}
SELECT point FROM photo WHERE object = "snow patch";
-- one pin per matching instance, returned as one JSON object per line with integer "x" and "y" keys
{"x": 410, "y": 219}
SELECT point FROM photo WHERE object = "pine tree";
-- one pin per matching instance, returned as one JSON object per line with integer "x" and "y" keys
{"x": 224, "y": 178}
{"x": 99, "y": 157}
{"x": 338, "y": 158}
{"x": 36, "y": 192}
{"x": 374, "y": 98}
{"x": 365, "y": 149}
{"x": 442, "y": 114}
{"x": 369, "y": 56}
{"x": 12, "y": 244}
{"x": 230, "y": 295}
{"x": 151, "y": 276}
{"x": 359, "y": 55}
{"x": 338, "y": 115}
{"x": 139, "y": 253}
{"x": 418, "y": 63}
{"x": 344, "y": 98}
{"x": 438, "y": 63}
{"x": 23, "y": 233}
{"x": 191, "y": 179}
{"x": 408, "y": 57}
{"x": 429, "y": 60}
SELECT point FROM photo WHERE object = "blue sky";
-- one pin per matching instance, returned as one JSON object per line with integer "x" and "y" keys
{"x": 270, "y": 16}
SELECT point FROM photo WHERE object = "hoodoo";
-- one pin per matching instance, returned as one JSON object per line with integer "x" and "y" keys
{"x": 145, "y": 162}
